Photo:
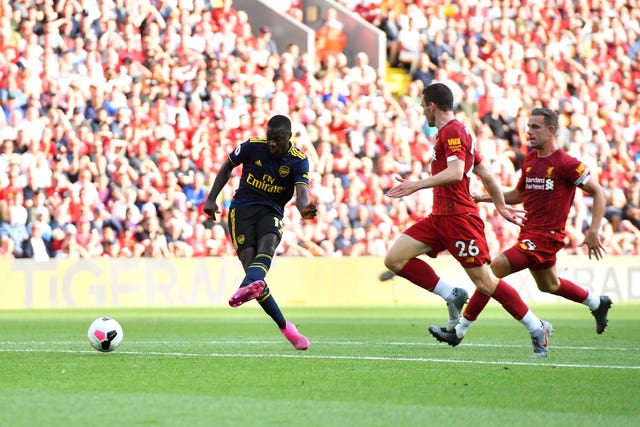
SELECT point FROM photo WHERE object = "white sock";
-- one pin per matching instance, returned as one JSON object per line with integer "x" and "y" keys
{"x": 592, "y": 301}
{"x": 462, "y": 326}
{"x": 531, "y": 322}
{"x": 444, "y": 290}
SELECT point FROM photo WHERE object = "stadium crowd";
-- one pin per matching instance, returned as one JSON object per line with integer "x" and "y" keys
{"x": 117, "y": 114}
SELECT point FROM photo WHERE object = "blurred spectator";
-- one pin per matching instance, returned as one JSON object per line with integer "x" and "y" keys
{"x": 424, "y": 71}
{"x": 408, "y": 45}
{"x": 111, "y": 246}
{"x": 196, "y": 193}
{"x": 269, "y": 42}
{"x": 389, "y": 24}
{"x": 362, "y": 72}
{"x": 88, "y": 239}
{"x": 64, "y": 243}
{"x": 198, "y": 241}
{"x": 186, "y": 171}
{"x": 631, "y": 210}
{"x": 13, "y": 226}
{"x": 330, "y": 37}
{"x": 36, "y": 246}
{"x": 177, "y": 230}
{"x": 150, "y": 238}
{"x": 218, "y": 243}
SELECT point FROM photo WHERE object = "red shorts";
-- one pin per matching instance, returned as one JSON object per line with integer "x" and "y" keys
{"x": 535, "y": 250}
{"x": 462, "y": 235}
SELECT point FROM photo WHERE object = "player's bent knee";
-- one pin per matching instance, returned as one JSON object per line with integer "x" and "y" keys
{"x": 499, "y": 271}
{"x": 394, "y": 264}
{"x": 548, "y": 288}
{"x": 485, "y": 288}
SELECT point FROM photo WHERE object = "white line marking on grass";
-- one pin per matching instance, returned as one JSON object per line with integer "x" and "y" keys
{"x": 332, "y": 357}
{"x": 349, "y": 343}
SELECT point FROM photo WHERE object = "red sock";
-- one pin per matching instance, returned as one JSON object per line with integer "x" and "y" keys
{"x": 420, "y": 273}
{"x": 506, "y": 295}
{"x": 571, "y": 291}
{"x": 476, "y": 304}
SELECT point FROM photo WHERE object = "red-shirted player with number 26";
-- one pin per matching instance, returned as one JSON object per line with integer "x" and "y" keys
{"x": 547, "y": 187}
{"x": 455, "y": 224}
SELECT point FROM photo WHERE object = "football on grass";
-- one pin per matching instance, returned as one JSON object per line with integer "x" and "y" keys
{"x": 105, "y": 334}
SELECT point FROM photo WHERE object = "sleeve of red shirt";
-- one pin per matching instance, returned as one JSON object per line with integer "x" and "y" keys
{"x": 453, "y": 143}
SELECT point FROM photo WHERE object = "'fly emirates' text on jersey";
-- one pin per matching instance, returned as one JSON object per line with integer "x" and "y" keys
{"x": 267, "y": 179}
{"x": 453, "y": 141}
{"x": 548, "y": 185}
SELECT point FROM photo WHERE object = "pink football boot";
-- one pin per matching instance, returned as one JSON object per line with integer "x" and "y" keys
{"x": 299, "y": 341}
{"x": 247, "y": 293}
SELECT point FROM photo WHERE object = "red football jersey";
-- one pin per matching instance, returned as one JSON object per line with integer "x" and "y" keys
{"x": 454, "y": 140}
{"x": 548, "y": 185}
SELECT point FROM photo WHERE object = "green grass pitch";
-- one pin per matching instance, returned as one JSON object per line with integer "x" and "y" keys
{"x": 365, "y": 367}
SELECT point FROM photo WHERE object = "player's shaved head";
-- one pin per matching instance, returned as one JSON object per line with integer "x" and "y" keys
{"x": 279, "y": 123}
{"x": 279, "y": 134}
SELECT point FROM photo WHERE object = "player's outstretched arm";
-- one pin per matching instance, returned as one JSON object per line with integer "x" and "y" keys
{"x": 591, "y": 237}
{"x": 516, "y": 216}
{"x": 211, "y": 206}
{"x": 453, "y": 173}
{"x": 308, "y": 209}
{"x": 511, "y": 197}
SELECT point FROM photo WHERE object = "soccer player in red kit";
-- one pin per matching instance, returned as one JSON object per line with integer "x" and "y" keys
{"x": 455, "y": 223}
{"x": 546, "y": 187}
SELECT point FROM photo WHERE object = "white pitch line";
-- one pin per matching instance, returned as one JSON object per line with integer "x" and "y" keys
{"x": 334, "y": 357}
{"x": 348, "y": 343}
